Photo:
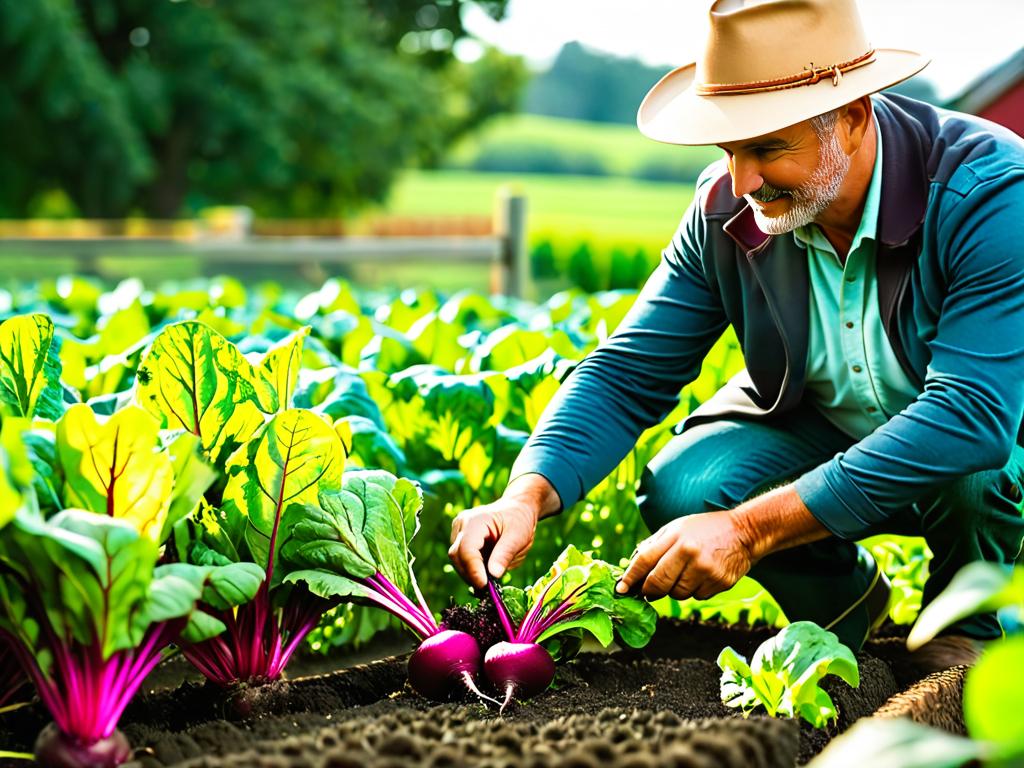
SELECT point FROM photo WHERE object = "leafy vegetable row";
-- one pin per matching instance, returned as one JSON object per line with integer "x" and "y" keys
{"x": 203, "y": 511}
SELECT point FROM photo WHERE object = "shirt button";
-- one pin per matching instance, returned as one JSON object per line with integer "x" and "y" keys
{"x": 857, "y": 369}
{"x": 871, "y": 409}
{"x": 849, "y": 325}
{"x": 851, "y": 278}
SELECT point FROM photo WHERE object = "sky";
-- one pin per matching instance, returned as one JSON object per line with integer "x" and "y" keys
{"x": 963, "y": 37}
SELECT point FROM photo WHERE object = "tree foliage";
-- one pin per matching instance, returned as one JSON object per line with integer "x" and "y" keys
{"x": 159, "y": 106}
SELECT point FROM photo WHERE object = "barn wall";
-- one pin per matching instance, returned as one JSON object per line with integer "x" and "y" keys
{"x": 1008, "y": 109}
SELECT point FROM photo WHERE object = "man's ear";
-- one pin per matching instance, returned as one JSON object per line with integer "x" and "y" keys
{"x": 852, "y": 124}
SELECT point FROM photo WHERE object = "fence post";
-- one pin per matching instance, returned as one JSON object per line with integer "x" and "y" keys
{"x": 510, "y": 226}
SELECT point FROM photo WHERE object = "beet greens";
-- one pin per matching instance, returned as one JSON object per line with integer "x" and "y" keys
{"x": 286, "y": 463}
{"x": 354, "y": 546}
{"x": 576, "y": 596}
{"x": 89, "y": 614}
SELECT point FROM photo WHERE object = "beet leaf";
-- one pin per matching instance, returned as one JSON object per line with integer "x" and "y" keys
{"x": 576, "y": 596}
{"x": 89, "y": 614}
{"x": 353, "y": 545}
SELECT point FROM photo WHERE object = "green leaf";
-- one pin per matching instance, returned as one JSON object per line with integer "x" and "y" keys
{"x": 91, "y": 575}
{"x": 589, "y": 586}
{"x": 16, "y": 473}
{"x": 30, "y": 368}
{"x": 222, "y": 586}
{"x": 993, "y": 696}
{"x": 201, "y": 626}
{"x": 459, "y": 410}
{"x": 898, "y": 743}
{"x": 364, "y": 529}
{"x": 280, "y": 366}
{"x": 784, "y": 673}
{"x": 328, "y": 585}
{"x": 293, "y": 459}
{"x": 192, "y": 478}
{"x": 170, "y": 596}
{"x": 635, "y": 620}
{"x": 194, "y": 379}
{"x": 976, "y": 588}
{"x": 596, "y": 622}
{"x": 116, "y": 467}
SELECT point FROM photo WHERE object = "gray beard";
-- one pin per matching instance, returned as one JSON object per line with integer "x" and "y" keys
{"x": 809, "y": 199}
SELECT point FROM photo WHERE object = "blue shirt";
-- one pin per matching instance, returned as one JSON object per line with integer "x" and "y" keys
{"x": 853, "y": 376}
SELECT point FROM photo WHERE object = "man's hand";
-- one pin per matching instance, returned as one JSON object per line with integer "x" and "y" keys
{"x": 508, "y": 524}
{"x": 695, "y": 556}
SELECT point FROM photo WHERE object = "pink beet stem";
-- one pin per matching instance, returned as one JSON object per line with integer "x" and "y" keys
{"x": 503, "y": 615}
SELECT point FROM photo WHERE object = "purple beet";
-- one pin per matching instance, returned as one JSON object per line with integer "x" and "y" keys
{"x": 443, "y": 662}
{"x": 55, "y": 749}
{"x": 519, "y": 669}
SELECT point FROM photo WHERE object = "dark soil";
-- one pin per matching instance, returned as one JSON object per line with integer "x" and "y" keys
{"x": 659, "y": 706}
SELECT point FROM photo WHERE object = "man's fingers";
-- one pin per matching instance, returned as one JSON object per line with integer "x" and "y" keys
{"x": 456, "y": 530}
{"x": 665, "y": 573}
{"x": 647, "y": 555}
{"x": 685, "y": 585}
{"x": 466, "y": 554}
{"x": 505, "y": 552}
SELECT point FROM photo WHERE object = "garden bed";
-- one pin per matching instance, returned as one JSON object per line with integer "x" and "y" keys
{"x": 659, "y": 706}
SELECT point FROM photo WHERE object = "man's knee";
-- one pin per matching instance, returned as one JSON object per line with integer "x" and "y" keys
{"x": 662, "y": 498}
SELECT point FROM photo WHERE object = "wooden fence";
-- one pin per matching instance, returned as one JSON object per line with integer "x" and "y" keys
{"x": 230, "y": 238}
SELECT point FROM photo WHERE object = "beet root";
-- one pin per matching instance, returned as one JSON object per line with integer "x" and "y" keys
{"x": 519, "y": 669}
{"x": 56, "y": 749}
{"x": 443, "y": 663}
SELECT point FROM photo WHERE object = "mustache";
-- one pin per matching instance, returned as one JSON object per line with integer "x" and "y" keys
{"x": 767, "y": 193}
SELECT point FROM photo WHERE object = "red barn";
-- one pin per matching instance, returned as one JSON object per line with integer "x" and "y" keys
{"x": 997, "y": 95}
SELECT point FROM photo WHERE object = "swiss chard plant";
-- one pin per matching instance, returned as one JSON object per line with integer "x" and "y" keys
{"x": 783, "y": 675}
{"x": 353, "y": 545}
{"x": 89, "y": 614}
{"x": 575, "y": 597}
{"x": 15, "y": 494}
{"x": 291, "y": 460}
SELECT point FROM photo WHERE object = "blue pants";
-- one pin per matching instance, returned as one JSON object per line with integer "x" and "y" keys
{"x": 718, "y": 465}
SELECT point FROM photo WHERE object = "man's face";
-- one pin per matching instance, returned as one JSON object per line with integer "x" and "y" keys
{"x": 788, "y": 177}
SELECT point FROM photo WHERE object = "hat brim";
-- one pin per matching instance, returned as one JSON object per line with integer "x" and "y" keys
{"x": 673, "y": 113}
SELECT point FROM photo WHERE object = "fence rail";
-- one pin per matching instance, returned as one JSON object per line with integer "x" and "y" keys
{"x": 504, "y": 249}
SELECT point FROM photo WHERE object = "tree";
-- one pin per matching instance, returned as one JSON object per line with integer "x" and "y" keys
{"x": 300, "y": 108}
{"x": 589, "y": 85}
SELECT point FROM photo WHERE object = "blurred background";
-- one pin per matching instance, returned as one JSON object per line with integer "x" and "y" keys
{"x": 376, "y": 139}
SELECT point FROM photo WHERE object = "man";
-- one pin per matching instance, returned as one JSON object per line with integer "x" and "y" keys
{"x": 868, "y": 252}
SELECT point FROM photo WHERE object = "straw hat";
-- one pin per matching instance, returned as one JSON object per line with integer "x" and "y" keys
{"x": 768, "y": 64}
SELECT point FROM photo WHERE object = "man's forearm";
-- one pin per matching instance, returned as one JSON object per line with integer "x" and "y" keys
{"x": 535, "y": 490}
{"x": 776, "y": 520}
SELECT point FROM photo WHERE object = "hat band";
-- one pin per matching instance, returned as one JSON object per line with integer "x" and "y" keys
{"x": 809, "y": 76}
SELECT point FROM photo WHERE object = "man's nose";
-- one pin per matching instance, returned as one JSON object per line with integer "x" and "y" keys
{"x": 746, "y": 177}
